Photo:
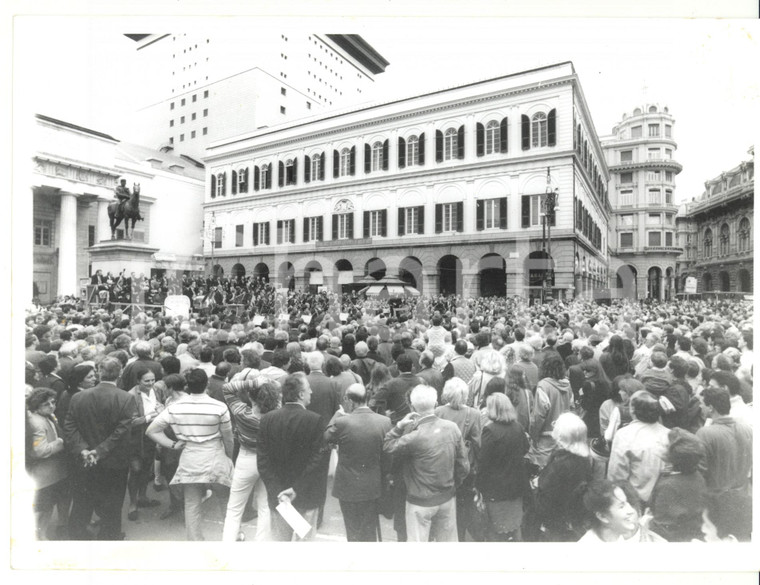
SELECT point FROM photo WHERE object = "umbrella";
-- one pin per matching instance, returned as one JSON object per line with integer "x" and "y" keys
{"x": 390, "y": 286}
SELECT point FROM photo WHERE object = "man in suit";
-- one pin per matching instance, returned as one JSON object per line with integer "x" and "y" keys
{"x": 97, "y": 436}
{"x": 362, "y": 465}
{"x": 290, "y": 455}
{"x": 394, "y": 394}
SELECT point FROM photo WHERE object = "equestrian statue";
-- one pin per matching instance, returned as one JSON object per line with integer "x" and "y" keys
{"x": 127, "y": 207}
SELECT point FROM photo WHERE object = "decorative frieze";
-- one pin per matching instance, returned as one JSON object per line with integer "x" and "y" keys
{"x": 76, "y": 173}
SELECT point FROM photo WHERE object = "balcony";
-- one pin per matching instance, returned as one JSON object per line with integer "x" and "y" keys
{"x": 666, "y": 249}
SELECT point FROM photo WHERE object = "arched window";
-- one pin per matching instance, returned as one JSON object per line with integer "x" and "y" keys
{"x": 707, "y": 247}
{"x": 345, "y": 162}
{"x": 725, "y": 239}
{"x": 744, "y": 235}
{"x": 539, "y": 130}
{"x": 377, "y": 156}
{"x": 412, "y": 151}
{"x": 493, "y": 137}
{"x": 450, "y": 144}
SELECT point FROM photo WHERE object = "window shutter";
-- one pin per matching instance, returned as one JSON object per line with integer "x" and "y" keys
{"x": 352, "y": 170}
{"x": 460, "y": 216}
{"x": 401, "y": 153}
{"x": 460, "y": 142}
{"x": 552, "y": 128}
{"x": 385, "y": 155}
{"x": 421, "y": 148}
{"x": 234, "y": 182}
{"x": 438, "y": 218}
{"x": 307, "y": 169}
{"x": 269, "y": 177}
{"x": 335, "y": 226}
{"x": 503, "y": 135}
{"x": 525, "y": 132}
{"x": 292, "y": 231}
{"x": 256, "y": 173}
{"x": 351, "y": 218}
{"x": 255, "y": 234}
{"x": 479, "y": 215}
{"x": 480, "y": 132}
{"x": 367, "y": 158}
{"x": 280, "y": 174}
{"x": 526, "y": 211}
{"x": 320, "y": 228}
{"x": 503, "y": 213}
{"x": 306, "y": 229}
{"x": 213, "y": 186}
{"x": 401, "y": 222}
{"x": 366, "y": 224}
{"x": 438, "y": 146}
{"x": 224, "y": 183}
{"x": 279, "y": 231}
{"x": 245, "y": 180}
{"x": 421, "y": 215}
{"x": 384, "y": 222}
{"x": 322, "y": 167}
{"x": 295, "y": 172}
{"x": 336, "y": 164}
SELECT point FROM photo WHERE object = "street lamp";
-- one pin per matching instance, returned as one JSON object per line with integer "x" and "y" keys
{"x": 548, "y": 208}
{"x": 212, "y": 238}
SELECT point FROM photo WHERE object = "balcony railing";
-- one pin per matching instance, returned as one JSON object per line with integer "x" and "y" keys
{"x": 677, "y": 249}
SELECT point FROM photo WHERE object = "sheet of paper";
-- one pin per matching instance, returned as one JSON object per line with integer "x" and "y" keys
{"x": 297, "y": 522}
{"x": 258, "y": 320}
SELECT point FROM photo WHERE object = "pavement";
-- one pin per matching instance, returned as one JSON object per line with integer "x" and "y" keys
{"x": 150, "y": 527}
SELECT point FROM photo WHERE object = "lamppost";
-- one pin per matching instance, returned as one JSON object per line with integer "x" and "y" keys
{"x": 548, "y": 205}
{"x": 212, "y": 238}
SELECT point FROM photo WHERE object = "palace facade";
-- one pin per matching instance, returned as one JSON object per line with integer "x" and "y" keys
{"x": 445, "y": 189}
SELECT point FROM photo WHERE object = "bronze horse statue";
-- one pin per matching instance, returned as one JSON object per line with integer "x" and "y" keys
{"x": 131, "y": 210}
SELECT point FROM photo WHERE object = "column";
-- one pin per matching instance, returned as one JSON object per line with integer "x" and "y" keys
{"x": 67, "y": 246}
{"x": 393, "y": 152}
{"x": 103, "y": 230}
{"x": 429, "y": 282}
{"x": 470, "y": 143}
{"x": 470, "y": 283}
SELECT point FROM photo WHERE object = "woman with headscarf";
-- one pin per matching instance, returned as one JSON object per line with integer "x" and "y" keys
{"x": 81, "y": 377}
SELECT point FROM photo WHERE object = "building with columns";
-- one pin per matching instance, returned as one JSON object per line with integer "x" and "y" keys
{"x": 199, "y": 88}
{"x": 75, "y": 171}
{"x": 716, "y": 232}
{"x": 444, "y": 189}
{"x": 643, "y": 243}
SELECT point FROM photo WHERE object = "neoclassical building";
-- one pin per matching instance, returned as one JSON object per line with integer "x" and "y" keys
{"x": 643, "y": 245}
{"x": 75, "y": 170}
{"x": 444, "y": 189}
{"x": 717, "y": 233}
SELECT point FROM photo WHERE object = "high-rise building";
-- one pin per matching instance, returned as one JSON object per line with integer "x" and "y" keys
{"x": 717, "y": 231}
{"x": 643, "y": 248}
{"x": 199, "y": 88}
{"x": 447, "y": 190}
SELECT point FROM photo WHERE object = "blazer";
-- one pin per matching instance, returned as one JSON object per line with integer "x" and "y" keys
{"x": 45, "y": 458}
{"x": 324, "y": 397}
{"x": 100, "y": 418}
{"x": 291, "y": 452}
{"x": 361, "y": 461}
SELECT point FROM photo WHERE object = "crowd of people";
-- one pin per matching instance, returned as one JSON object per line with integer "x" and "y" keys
{"x": 484, "y": 419}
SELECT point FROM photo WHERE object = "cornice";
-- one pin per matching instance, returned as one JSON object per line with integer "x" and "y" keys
{"x": 281, "y": 145}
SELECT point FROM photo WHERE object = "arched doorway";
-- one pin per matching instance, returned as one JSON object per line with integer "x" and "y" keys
{"x": 745, "y": 281}
{"x": 725, "y": 281}
{"x": 375, "y": 268}
{"x": 287, "y": 276}
{"x": 217, "y": 271}
{"x": 344, "y": 276}
{"x": 707, "y": 285}
{"x": 410, "y": 271}
{"x": 261, "y": 272}
{"x": 237, "y": 271}
{"x": 313, "y": 276}
{"x": 450, "y": 275}
{"x": 539, "y": 266}
{"x": 654, "y": 279}
{"x": 493, "y": 276}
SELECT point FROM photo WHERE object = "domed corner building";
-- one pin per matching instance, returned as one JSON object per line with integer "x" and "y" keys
{"x": 716, "y": 233}
{"x": 446, "y": 190}
{"x": 643, "y": 243}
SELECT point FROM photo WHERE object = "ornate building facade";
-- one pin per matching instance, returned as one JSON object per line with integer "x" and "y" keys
{"x": 75, "y": 171}
{"x": 717, "y": 233}
{"x": 643, "y": 246}
{"x": 445, "y": 189}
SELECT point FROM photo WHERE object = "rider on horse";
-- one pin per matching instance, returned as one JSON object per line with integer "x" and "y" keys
{"x": 123, "y": 195}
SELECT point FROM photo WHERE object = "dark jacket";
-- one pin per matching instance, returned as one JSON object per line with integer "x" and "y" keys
{"x": 394, "y": 395}
{"x": 324, "y": 397}
{"x": 677, "y": 504}
{"x": 501, "y": 467}
{"x": 99, "y": 418}
{"x": 361, "y": 461}
{"x": 291, "y": 453}
{"x": 563, "y": 473}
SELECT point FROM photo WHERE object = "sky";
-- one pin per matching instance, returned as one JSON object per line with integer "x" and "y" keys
{"x": 704, "y": 70}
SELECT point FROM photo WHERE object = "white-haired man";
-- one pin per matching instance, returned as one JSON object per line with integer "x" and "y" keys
{"x": 434, "y": 462}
